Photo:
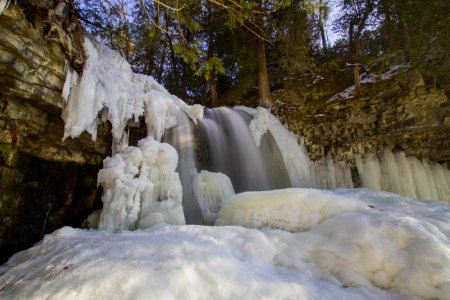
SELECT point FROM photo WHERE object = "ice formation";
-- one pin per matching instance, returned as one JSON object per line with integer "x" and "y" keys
{"x": 349, "y": 244}
{"x": 397, "y": 173}
{"x": 108, "y": 85}
{"x": 110, "y": 88}
{"x": 295, "y": 158}
{"x": 141, "y": 187}
{"x": 302, "y": 172}
{"x": 391, "y": 172}
{"x": 211, "y": 189}
{"x": 328, "y": 173}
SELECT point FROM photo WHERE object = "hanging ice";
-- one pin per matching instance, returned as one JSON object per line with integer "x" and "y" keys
{"x": 141, "y": 187}
{"x": 108, "y": 83}
{"x": 397, "y": 173}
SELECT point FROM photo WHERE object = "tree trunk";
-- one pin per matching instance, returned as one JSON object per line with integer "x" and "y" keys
{"x": 265, "y": 99}
{"x": 357, "y": 78}
{"x": 213, "y": 88}
{"x": 322, "y": 29}
{"x": 212, "y": 77}
{"x": 161, "y": 62}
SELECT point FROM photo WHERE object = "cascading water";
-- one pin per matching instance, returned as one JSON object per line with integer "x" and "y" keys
{"x": 182, "y": 138}
{"x": 232, "y": 151}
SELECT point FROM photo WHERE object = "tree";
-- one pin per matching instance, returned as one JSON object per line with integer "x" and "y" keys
{"x": 356, "y": 17}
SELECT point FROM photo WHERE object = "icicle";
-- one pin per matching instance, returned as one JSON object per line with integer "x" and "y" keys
{"x": 108, "y": 82}
{"x": 403, "y": 175}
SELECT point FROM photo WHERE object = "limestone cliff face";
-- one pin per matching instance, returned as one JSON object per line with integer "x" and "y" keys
{"x": 44, "y": 182}
{"x": 398, "y": 113}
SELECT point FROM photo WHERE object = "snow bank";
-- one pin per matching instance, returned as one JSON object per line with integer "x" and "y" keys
{"x": 364, "y": 238}
{"x": 348, "y": 244}
{"x": 109, "y": 84}
{"x": 367, "y": 78}
{"x": 141, "y": 187}
{"x": 210, "y": 190}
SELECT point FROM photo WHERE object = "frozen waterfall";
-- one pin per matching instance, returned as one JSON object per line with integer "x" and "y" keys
{"x": 213, "y": 154}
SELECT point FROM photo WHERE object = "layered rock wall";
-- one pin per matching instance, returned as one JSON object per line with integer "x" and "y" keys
{"x": 398, "y": 113}
{"x": 44, "y": 182}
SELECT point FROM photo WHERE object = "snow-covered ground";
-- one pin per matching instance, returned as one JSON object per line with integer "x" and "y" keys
{"x": 367, "y": 78}
{"x": 351, "y": 244}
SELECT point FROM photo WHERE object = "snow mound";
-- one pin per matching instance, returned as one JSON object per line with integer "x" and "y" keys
{"x": 288, "y": 209}
{"x": 141, "y": 187}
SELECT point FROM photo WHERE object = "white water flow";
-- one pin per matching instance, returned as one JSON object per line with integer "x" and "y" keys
{"x": 182, "y": 139}
{"x": 232, "y": 151}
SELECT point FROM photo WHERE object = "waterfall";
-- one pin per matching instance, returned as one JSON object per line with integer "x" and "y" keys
{"x": 182, "y": 138}
{"x": 232, "y": 151}
{"x": 241, "y": 149}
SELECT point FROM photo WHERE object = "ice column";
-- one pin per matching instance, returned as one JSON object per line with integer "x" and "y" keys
{"x": 141, "y": 187}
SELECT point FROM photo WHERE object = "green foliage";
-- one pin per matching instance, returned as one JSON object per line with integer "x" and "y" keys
{"x": 185, "y": 44}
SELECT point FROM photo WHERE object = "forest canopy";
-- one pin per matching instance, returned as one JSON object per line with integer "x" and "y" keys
{"x": 215, "y": 52}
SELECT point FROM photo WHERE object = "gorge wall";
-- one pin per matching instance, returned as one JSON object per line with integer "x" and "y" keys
{"x": 398, "y": 112}
{"x": 45, "y": 182}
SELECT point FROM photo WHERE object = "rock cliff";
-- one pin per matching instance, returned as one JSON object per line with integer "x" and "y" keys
{"x": 44, "y": 182}
{"x": 397, "y": 112}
